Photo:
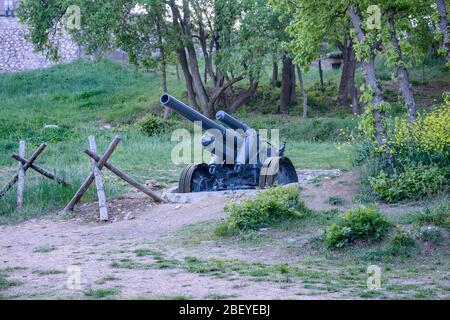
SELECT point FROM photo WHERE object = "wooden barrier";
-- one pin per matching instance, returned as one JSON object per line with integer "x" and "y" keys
{"x": 98, "y": 163}
{"x": 24, "y": 165}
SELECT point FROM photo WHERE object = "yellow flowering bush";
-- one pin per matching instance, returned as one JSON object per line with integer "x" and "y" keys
{"x": 426, "y": 140}
{"x": 420, "y": 156}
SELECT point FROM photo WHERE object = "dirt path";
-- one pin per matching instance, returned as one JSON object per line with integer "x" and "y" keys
{"x": 37, "y": 253}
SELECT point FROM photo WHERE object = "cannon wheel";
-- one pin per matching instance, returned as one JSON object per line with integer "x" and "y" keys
{"x": 270, "y": 176}
{"x": 195, "y": 178}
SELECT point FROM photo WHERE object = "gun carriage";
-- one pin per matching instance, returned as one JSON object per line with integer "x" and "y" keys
{"x": 241, "y": 158}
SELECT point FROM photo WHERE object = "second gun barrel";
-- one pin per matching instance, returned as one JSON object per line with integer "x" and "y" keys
{"x": 230, "y": 121}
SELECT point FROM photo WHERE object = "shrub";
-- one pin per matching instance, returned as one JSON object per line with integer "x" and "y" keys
{"x": 426, "y": 140}
{"x": 364, "y": 223}
{"x": 151, "y": 125}
{"x": 420, "y": 155}
{"x": 400, "y": 244}
{"x": 430, "y": 234}
{"x": 438, "y": 216}
{"x": 415, "y": 182}
{"x": 267, "y": 208}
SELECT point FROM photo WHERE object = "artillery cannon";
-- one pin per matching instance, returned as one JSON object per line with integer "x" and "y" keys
{"x": 241, "y": 159}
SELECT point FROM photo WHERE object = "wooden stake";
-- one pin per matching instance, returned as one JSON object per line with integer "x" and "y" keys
{"x": 98, "y": 182}
{"x": 21, "y": 176}
{"x": 85, "y": 186}
{"x": 25, "y": 168}
{"x": 126, "y": 178}
{"x": 40, "y": 170}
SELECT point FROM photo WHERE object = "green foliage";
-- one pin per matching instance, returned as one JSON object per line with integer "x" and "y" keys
{"x": 314, "y": 130}
{"x": 430, "y": 234}
{"x": 6, "y": 283}
{"x": 265, "y": 209}
{"x": 364, "y": 223}
{"x": 336, "y": 201}
{"x": 420, "y": 156}
{"x": 414, "y": 182}
{"x": 400, "y": 243}
{"x": 102, "y": 293}
{"x": 151, "y": 125}
{"x": 438, "y": 216}
{"x": 426, "y": 140}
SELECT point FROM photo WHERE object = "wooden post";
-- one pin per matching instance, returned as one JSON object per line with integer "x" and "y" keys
{"x": 98, "y": 182}
{"x": 126, "y": 178}
{"x": 21, "y": 176}
{"x": 40, "y": 170}
{"x": 25, "y": 168}
{"x": 76, "y": 198}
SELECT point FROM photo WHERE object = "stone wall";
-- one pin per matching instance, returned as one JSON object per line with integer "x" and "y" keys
{"x": 17, "y": 54}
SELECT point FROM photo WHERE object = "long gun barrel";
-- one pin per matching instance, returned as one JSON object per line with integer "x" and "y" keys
{"x": 190, "y": 114}
{"x": 230, "y": 121}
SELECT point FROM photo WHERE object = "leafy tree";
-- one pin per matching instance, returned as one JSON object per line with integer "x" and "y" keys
{"x": 235, "y": 36}
{"x": 442, "y": 20}
{"x": 400, "y": 30}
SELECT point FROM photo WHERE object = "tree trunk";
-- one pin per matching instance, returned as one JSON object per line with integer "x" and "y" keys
{"x": 188, "y": 78}
{"x": 293, "y": 87}
{"x": 286, "y": 85}
{"x": 371, "y": 79}
{"x": 402, "y": 72}
{"x": 163, "y": 70}
{"x": 302, "y": 89}
{"x": 184, "y": 23}
{"x": 164, "y": 87}
{"x": 322, "y": 85}
{"x": 347, "y": 86}
{"x": 355, "y": 99}
{"x": 443, "y": 25}
{"x": 274, "y": 80}
{"x": 243, "y": 97}
{"x": 177, "y": 71}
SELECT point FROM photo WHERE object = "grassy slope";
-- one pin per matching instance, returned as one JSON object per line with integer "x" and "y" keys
{"x": 81, "y": 98}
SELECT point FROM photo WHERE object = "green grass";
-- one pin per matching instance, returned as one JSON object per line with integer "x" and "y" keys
{"x": 44, "y": 249}
{"x": 103, "y": 293}
{"x": 48, "y": 272}
{"x": 177, "y": 297}
{"x": 6, "y": 283}
{"x": 403, "y": 259}
{"x": 336, "y": 201}
{"x": 82, "y": 97}
{"x": 106, "y": 279}
{"x": 219, "y": 296}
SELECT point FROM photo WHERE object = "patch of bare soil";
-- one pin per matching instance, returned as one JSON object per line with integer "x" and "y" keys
{"x": 342, "y": 185}
{"x": 39, "y": 252}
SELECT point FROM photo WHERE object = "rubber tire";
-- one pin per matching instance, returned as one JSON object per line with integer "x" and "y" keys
{"x": 285, "y": 175}
{"x": 187, "y": 176}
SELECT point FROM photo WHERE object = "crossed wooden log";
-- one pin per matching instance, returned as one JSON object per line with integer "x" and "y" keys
{"x": 97, "y": 165}
{"x": 24, "y": 165}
